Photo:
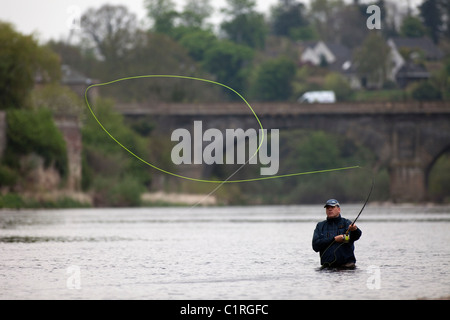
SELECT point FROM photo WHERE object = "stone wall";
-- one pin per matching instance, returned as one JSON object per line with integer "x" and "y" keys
{"x": 70, "y": 128}
{"x": 46, "y": 177}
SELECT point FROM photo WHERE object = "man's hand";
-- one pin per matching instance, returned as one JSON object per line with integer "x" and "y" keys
{"x": 339, "y": 238}
{"x": 352, "y": 227}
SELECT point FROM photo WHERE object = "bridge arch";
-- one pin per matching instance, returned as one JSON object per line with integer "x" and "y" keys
{"x": 445, "y": 152}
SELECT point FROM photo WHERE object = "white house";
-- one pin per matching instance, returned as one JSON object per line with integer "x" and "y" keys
{"x": 317, "y": 53}
{"x": 336, "y": 57}
{"x": 404, "y": 69}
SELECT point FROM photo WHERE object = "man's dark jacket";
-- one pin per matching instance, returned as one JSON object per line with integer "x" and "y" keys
{"x": 334, "y": 254}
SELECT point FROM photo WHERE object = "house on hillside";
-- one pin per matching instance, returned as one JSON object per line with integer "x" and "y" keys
{"x": 77, "y": 81}
{"x": 73, "y": 79}
{"x": 409, "y": 59}
{"x": 334, "y": 56}
{"x": 331, "y": 55}
{"x": 405, "y": 53}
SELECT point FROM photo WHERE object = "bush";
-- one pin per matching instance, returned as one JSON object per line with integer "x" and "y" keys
{"x": 11, "y": 201}
{"x": 8, "y": 177}
{"x": 34, "y": 131}
{"x": 15, "y": 201}
{"x": 425, "y": 91}
{"x": 340, "y": 86}
{"x": 273, "y": 80}
{"x": 115, "y": 177}
{"x": 117, "y": 191}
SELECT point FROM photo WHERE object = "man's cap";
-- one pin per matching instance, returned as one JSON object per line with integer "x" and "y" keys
{"x": 331, "y": 203}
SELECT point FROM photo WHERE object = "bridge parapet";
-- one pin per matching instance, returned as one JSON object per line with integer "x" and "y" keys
{"x": 283, "y": 108}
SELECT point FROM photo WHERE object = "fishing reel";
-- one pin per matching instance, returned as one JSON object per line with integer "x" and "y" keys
{"x": 346, "y": 238}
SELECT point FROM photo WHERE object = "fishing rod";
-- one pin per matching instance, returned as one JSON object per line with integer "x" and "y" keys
{"x": 367, "y": 200}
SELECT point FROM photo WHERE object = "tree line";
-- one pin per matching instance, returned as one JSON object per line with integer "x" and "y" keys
{"x": 253, "y": 53}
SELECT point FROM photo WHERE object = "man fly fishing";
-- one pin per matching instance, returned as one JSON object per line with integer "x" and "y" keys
{"x": 334, "y": 238}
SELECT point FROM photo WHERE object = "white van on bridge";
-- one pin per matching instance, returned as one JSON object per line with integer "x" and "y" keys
{"x": 318, "y": 97}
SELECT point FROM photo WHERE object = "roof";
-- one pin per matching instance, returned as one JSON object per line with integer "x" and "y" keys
{"x": 73, "y": 77}
{"x": 340, "y": 51}
{"x": 432, "y": 52}
{"x": 342, "y": 55}
{"x": 412, "y": 70}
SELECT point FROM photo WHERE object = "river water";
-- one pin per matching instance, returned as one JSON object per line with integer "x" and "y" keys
{"x": 220, "y": 253}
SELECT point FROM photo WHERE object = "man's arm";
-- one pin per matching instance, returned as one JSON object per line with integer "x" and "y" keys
{"x": 319, "y": 241}
{"x": 355, "y": 232}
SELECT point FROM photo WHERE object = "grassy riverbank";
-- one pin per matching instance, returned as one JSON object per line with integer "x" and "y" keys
{"x": 62, "y": 201}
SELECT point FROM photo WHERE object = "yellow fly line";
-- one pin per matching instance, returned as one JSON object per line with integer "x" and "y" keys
{"x": 189, "y": 178}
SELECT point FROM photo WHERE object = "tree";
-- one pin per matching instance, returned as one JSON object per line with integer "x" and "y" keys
{"x": 77, "y": 57}
{"x": 21, "y": 61}
{"x": 273, "y": 80}
{"x": 227, "y": 61}
{"x": 238, "y": 7}
{"x": 430, "y": 13}
{"x": 412, "y": 27}
{"x": 115, "y": 178}
{"x": 306, "y": 33}
{"x": 322, "y": 15}
{"x": 245, "y": 25}
{"x": 176, "y": 24}
{"x": 389, "y": 18}
{"x": 60, "y": 100}
{"x": 288, "y": 16}
{"x": 124, "y": 50}
{"x": 350, "y": 28}
{"x": 441, "y": 79}
{"x": 445, "y": 5}
{"x": 163, "y": 15}
{"x": 195, "y": 13}
{"x": 372, "y": 61}
{"x": 159, "y": 54}
{"x": 198, "y": 42}
{"x": 111, "y": 29}
{"x": 340, "y": 23}
{"x": 34, "y": 131}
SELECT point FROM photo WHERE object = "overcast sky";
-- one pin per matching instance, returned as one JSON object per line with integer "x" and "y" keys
{"x": 51, "y": 19}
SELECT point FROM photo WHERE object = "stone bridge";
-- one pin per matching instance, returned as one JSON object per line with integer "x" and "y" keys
{"x": 407, "y": 137}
